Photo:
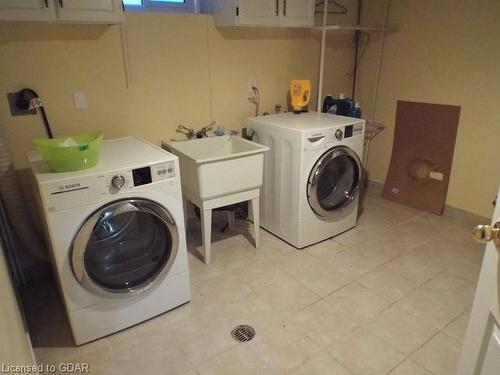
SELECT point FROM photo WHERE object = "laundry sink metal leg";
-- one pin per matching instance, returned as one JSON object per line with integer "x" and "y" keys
{"x": 256, "y": 222}
{"x": 206, "y": 207}
{"x": 206, "y": 231}
{"x": 231, "y": 219}
{"x": 186, "y": 205}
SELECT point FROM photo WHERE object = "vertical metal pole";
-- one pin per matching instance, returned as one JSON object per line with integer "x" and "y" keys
{"x": 356, "y": 49}
{"x": 322, "y": 56}
{"x": 377, "y": 80}
{"x": 125, "y": 55}
{"x": 379, "y": 62}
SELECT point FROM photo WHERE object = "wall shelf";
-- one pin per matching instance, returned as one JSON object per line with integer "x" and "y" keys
{"x": 351, "y": 28}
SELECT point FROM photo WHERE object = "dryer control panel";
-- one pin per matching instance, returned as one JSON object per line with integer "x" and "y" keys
{"x": 80, "y": 191}
{"x": 136, "y": 177}
{"x": 146, "y": 175}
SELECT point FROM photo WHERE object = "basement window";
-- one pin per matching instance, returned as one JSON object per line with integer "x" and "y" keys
{"x": 185, "y": 6}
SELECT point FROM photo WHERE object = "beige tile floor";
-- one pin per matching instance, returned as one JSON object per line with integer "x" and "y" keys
{"x": 391, "y": 296}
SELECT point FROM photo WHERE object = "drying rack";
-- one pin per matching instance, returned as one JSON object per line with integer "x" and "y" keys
{"x": 371, "y": 130}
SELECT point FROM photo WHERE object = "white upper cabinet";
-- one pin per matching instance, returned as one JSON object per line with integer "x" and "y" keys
{"x": 297, "y": 12}
{"x": 26, "y": 10}
{"x": 99, "y": 11}
{"x": 106, "y": 11}
{"x": 273, "y": 13}
{"x": 257, "y": 12}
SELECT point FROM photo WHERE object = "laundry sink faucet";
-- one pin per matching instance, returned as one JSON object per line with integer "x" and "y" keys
{"x": 203, "y": 132}
{"x": 191, "y": 133}
{"x": 188, "y": 132}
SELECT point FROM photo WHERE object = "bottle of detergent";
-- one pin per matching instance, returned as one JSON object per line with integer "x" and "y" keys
{"x": 300, "y": 94}
{"x": 344, "y": 106}
{"x": 356, "y": 110}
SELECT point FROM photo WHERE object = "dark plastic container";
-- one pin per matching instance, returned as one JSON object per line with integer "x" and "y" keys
{"x": 329, "y": 105}
{"x": 344, "y": 106}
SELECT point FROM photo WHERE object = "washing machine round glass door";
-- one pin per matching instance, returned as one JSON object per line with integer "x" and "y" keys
{"x": 125, "y": 247}
{"x": 334, "y": 181}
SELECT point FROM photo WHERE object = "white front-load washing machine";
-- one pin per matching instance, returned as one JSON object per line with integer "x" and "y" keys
{"x": 117, "y": 237}
{"x": 312, "y": 174}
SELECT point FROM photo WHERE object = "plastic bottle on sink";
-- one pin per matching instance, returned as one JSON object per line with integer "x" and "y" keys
{"x": 356, "y": 110}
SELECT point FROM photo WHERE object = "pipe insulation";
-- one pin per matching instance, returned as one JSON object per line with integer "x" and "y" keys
{"x": 19, "y": 218}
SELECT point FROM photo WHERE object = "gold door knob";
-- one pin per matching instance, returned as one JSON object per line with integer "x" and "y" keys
{"x": 485, "y": 233}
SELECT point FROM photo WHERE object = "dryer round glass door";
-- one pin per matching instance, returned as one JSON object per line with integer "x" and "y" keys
{"x": 125, "y": 247}
{"x": 334, "y": 181}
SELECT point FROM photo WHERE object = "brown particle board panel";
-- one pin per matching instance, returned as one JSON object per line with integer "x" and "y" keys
{"x": 422, "y": 153}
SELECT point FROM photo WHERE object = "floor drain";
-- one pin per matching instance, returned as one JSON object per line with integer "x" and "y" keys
{"x": 243, "y": 333}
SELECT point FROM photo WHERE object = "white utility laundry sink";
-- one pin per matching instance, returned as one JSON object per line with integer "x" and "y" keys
{"x": 219, "y": 171}
{"x": 216, "y": 166}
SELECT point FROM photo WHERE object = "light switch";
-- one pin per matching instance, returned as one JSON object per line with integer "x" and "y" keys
{"x": 80, "y": 100}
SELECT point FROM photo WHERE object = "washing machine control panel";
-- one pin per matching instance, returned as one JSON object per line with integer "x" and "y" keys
{"x": 330, "y": 137}
{"x": 352, "y": 130}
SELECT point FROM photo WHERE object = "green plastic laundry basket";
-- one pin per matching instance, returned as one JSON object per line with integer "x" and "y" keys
{"x": 62, "y": 158}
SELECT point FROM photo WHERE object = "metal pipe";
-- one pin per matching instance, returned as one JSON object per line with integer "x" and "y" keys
{"x": 379, "y": 62}
{"x": 356, "y": 48}
{"x": 322, "y": 56}
{"x": 125, "y": 55}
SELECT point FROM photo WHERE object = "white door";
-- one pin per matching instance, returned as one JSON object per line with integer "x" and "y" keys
{"x": 481, "y": 350}
{"x": 90, "y": 11}
{"x": 297, "y": 13}
{"x": 26, "y": 10}
{"x": 258, "y": 12}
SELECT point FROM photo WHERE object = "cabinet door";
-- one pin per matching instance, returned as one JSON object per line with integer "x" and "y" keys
{"x": 258, "y": 12}
{"x": 26, "y": 10}
{"x": 297, "y": 13}
{"x": 105, "y": 11}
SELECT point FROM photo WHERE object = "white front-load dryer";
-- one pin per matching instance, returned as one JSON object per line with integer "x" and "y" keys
{"x": 312, "y": 174}
{"x": 117, "y": 237}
